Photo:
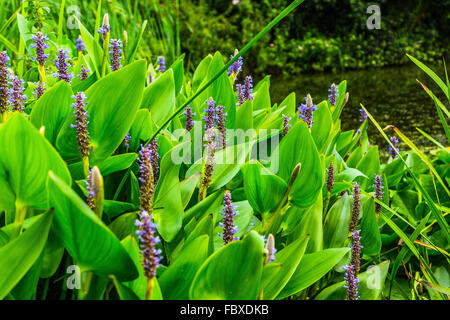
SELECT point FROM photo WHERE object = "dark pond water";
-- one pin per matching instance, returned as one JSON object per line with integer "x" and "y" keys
{"x": 391, "y": 95}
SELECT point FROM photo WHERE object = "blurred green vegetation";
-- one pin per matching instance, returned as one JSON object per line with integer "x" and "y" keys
{"x": 321, "y": 35}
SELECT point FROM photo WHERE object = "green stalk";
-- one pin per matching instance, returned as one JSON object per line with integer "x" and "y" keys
{"x": 274, "y": 22}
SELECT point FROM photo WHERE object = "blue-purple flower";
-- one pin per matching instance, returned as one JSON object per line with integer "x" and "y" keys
{"x": 4, "y": 75}
{"x": 126, "y": 141}
{"x": 356, "y": 247}
{"x": 229, "y": 212}
{"x": 210, "y": 117}
{"x": 393, "y": 151}
{"x": 306, "y": 110}
{"x": 352, "y": 283}
{"x": 146, "y": 179}
{"x": 39, "y": 90}
{"x": 236, "y": 67}
{"x": 61, "y": 65}
{"x": 151, "y": 257}
{"x": 104, "y": 29}
{"x": 189, "y": 116}
{"x": 334, "y": 94}
{"x": 286, "y": 125}
{"x": 81, "y": 123}
{"x": 115, "y": 52}
{"x": 221, "y": 121}
{"x": 83, "y": 73}
{"x": 356, "y": 208}
{"x": 161, "y": 64}
{"x": 16, "y": 96}
{"x": 79, "y": 44}
{"x": 208, "y": 163}
{"x": 39, "y": 44}
{"x": 378, "y": 192}
{"x": 245, "y": 91}
{"x": 154, "y": 160}
{"x": 363, "y": 115}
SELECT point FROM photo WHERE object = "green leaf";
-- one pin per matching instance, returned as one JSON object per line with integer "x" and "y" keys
{"x": 177, "y": 279}
{"x": 321, "y": 128}
{"x": 337, "y": 223}
{"x": 100, "y": 252}
{"x": 110, "y": 165}
{"x": 52, "y": 109}
{"x": 26, "y": 159}
{"x": 298, "y": 147}
{"x": 370, "y": 286}
{"x": 94, "y": 50}
{"x": 19, "y": 255}
{"x": 159, "y": 97}
{"x": 112, "y": 104}
{"x": 289, "y": 258}
{"x": 370, "y": 234}
{"x": 236, "y": 280}
{"x": 259, "y": 182}
{"x": 262, "y": 97}
{"x": 312, "y": 267}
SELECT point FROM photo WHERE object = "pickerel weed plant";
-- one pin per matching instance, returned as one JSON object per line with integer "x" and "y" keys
{"x": 129, "y": 171}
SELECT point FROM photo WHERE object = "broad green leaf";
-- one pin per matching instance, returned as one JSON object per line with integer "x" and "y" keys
{"x": 312, "y": 267}
{"x": 336, "y": 229}
{"x": 19, "y": 255}
{"x": 370, "y": 234}
{"x": 177, "y": 279}
{"x": 26, "y": 159}
{"x": 236, "y": 280}
{"x": 93, "y": 48}
{"x": 52, "y": 109}
{"x": 110, "y": 165}
{"x": 100, "y": 252}
{"x": 262, "y": 97}
{"x": 321, "y": 128}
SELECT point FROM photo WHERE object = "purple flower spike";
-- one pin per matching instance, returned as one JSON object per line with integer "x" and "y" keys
{"x": 189, "y": 115}
{"x": 154, "y": 159}
{"x": 61, "y": 65}
{"x": 79, "y": 44}
{"x": 393, "y": 151}
{"x": 245, "y": 91}
{"x": 161, "y": 64}
{"x": 286, "y": 125}
{"x": 92, "y": 192}
{"x": 221, "y": 120}
{"x": 208, "y": 165}
{"x": 236, "y": 67}
{"x": 16, "y": 96}
{"x": 4, "y": 92}
{"x": 39, "y": 90}
{"x": 356, "y": 208}
{"x": 146, "y": 179}
{"x": 126, "y": 140}
{"x": 39, "y": 44}
{"x": 352, "y": 283}
{"x": 330, "y": 177}
{"x": 378, "y": 192}
{"x": 83, "y": 73}
{"x": 211, "y": 117}
{"x": 229, "y": 229}
{"x": 115, "y": 52}
{"x": 151, "y": 257}
{"x": 363, "y": 115}
{"x": 356, "y": 247}
{"x": 334, "y": 94}
{"x": 104, "y": 29}
{"x": 306, "y": 110}
{"x": 81, "y": 124}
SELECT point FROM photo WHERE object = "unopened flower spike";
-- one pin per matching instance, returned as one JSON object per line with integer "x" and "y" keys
{"x": 334, "y": 94}
{"x": 94, "y": 187}
{"x": 161, "y": 64}
{"x": 79, "y": 44}
{"x": 81, "y": 125}
{"x": 378, "y": 192}
{"x": 306, "y": 110}
{"x": 208, "y": 163}
{"x": 229, "y": 212}
{"x": 39, "y": 90}
{"x": 270, "y": 248}
{"x": 16, "y": 96}
{"x": 61, "y": 65}
{"x": 146, "y": 179}
{"x": 286, "y": 125}
{"x": 104, "y": 29}
{"x": 356, "y": 208}
{"x": 115, "y": 52}
{"x": 4, "y": 75}
{"x": 330, "y": 177}
{"x": 221, "y": 121}
{"x": 393, "y": 151}
{"x": 189, "y": 116}
{"x": 83, "y": 73}
{"x": 151, "y": 257}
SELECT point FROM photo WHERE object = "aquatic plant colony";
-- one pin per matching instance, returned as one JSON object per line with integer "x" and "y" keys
{"x": 131, "y": 179}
